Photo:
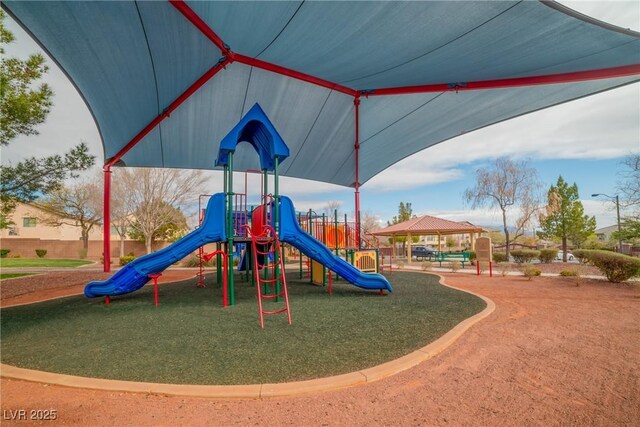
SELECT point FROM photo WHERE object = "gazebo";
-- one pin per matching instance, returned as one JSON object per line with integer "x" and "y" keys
{"x": 353, "y": 87}
{"x": 427, "y": 225}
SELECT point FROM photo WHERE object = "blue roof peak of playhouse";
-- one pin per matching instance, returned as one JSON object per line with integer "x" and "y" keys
{"x": 256, "y": 129}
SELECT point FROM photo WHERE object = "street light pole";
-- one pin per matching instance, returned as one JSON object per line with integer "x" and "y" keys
{"x": 617, "y": 199}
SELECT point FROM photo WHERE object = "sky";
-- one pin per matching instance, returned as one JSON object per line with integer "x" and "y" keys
{"x": 585, "y": 141}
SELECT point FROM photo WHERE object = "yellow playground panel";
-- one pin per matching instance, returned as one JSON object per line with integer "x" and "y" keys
{"x": 317, "y": 273}
{"x": 366, "y": 261}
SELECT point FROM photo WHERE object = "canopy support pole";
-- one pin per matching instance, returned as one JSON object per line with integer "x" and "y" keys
{"x": 356, "y": 103}
{"x": 106, "y": 222}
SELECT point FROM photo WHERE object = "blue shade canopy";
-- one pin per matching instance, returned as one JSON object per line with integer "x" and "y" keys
{"x": 131, "y": 60}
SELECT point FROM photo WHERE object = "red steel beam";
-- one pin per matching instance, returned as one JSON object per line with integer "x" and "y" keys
{"x": 258, "y": 63}
{"x": 167, "y": 112}
{"x": 254, "y": 62}
{"x": 201, "y": 25}
{"x": 578, "y": 76}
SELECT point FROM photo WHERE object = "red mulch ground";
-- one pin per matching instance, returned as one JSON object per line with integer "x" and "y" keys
{"x": 552, "y": 353}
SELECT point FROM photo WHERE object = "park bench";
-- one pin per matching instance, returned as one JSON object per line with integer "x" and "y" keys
{"x": 457, "y": 256}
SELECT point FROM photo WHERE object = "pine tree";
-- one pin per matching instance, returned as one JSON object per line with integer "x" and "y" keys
{"x": 564, "y": 217}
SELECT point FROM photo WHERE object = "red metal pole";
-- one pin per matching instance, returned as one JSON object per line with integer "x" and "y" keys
{"x": 258, "y": 63}
{"x": 225, "y": 286}
{"x": 477, "y": 268}
{"x": 578, "y": 76}
{"x": 201, "y": 25}
{"x": 356, "y": 103}
{"x": 490, "y": 269}
{"x": 106, "y": 238}
{"x": 167, "y": 112}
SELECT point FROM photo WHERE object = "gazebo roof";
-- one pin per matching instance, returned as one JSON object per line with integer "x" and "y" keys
{"x": 352, "y": 87}
{"x": 427, "y": 225}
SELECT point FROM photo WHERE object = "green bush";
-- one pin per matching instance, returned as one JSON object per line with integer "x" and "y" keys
{"x": 499, "y": 257}
{"x": 4, "y": 252}
{"x": 124, "y": 260}
{"x": 524, "y": 255}
{"x": 616, "y": 267}
{"x": 547, "y": 255}
{"x": 569, "y": 273}
{"x": 41, "y": 253}
{"x": 530, "y": 271}
{"x": 472, "y": 256}
{"x": 582, "y": 255}
{"x": 194, "y": 261}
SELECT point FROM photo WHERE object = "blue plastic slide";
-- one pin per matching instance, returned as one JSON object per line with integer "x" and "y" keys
{"x": 133, "y": 276}
{"x": 291, "y": 233}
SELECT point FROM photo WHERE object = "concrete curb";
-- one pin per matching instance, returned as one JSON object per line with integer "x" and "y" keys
{"x": 257, "y": 391}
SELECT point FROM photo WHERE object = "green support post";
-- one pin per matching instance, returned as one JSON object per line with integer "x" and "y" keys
{"x": 324, "y": 234}
{"x": 300, "y": 253}
{"x": 232, "y": 293}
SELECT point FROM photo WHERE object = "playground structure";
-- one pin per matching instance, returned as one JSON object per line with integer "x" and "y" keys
{"x": 344, "y": 238}
{"x": 227, "y": 221}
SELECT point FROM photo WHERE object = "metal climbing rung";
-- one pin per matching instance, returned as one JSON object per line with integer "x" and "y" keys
{"x": 273, "y": 274}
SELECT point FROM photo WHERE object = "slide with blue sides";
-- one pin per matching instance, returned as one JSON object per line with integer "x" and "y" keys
{"x": 291, "y": 233}
{"x": 134, "y": 275}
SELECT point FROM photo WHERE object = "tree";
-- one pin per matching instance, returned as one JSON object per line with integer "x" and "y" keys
{"x": 121, "y": 211}
{"x": 170, "y": 230}
{"x": 77, "y": 205}
{"x": 22, "y": 108}
{"x": 154, "y": 196}
{"x": 405, "y": 213}
{"x": 629, "y": 184}
{"x": 330, "y": 209}
{"x": 511, "y": 187}
{"x": 564, "y": 217}
{"x": 629, "y": 230}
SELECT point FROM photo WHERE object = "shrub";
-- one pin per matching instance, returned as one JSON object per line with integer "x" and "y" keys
{"x": 472, "y": 257}
{"x": 530, "y": 271}
{"x": 499, "y": 257}
{"x": 194, "y": 261}
{"x": 454, "y": 265}
{"x": 4, "y": 252}
{"x": 616, "y": 267}
{"x": 547, "y": 255}
{"x": 504, "y": 268}
{"x": 41, "y": 253}
{"x": 524, "y": 255}
{"x": 124, "y": 260}
{"x": 569, "y": 273}
{"x": 582, "y": 255}
{"x": 400, "y": 264}
{"x": 427, "y": 265}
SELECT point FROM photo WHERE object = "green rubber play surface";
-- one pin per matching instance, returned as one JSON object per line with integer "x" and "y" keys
{"x": 191, "y": 339}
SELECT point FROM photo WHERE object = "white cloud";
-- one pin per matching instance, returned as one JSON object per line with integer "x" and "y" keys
{"x": 602, "y": 126}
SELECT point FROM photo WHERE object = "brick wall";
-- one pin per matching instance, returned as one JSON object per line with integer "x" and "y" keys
{"x": 25, "y": 248}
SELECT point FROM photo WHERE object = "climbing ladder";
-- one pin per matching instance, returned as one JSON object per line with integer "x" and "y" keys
{"x": 271, "y": 283}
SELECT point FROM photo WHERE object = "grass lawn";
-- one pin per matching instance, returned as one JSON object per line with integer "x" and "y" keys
{"x": 41, "y": 262}
{"x": 4, "y": 276}
{"x": 191, "y": 339}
